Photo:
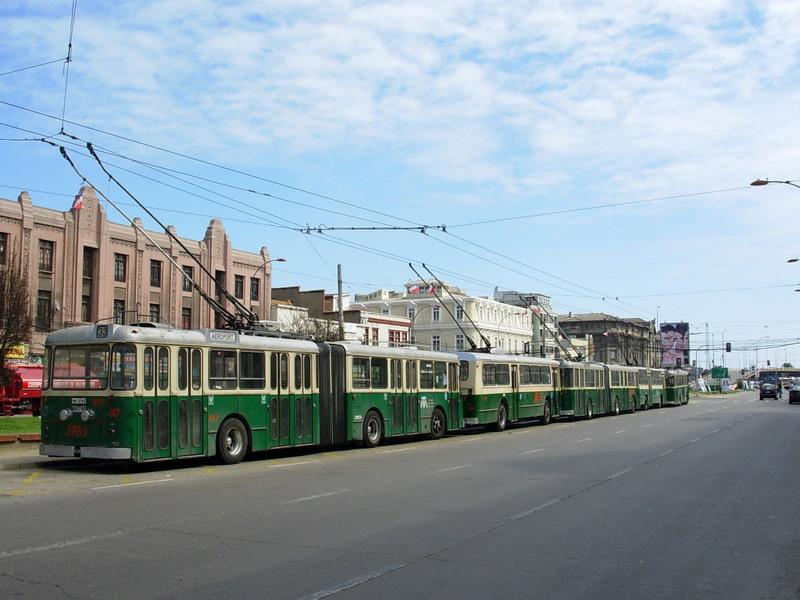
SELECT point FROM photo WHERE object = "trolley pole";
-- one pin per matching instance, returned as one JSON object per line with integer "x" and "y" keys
{"x": 341, "y": 306}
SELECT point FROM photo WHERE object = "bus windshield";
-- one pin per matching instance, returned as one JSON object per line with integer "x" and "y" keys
{"x": 80, "y": 368}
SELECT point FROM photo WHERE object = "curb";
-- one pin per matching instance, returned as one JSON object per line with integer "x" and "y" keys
{"x": 20, "y": 437}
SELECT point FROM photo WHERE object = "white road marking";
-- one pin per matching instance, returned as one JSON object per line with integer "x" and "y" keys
{"x": 452, "y": 468}
{"x": 697, "y": 439}
{"x": 620, "y": 473}
{"x": 315, "y": 497}
{"x": 64, "y": 544}
{"x": 475, "y": 439}
{"x": 119, "y": 485}
{"x": 715, "y": 431}
{"x": 532, "y": 451}
{"x": 396, "y": 450}
{"x": 666, "y": 452}
{"x": 530, "y": 511}
{"x": 293, "y": 464}
{"x": 581, "y": 441}
{"x": 620, "y": 431}
{"x": 647, "y": 425}
{"x": 351, "y": 583}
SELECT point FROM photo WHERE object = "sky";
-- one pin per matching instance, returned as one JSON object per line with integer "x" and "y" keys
{"x": 372, "y": 114}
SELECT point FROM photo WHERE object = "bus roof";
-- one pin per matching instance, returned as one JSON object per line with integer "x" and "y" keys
{"x": 509, "y": 358}
{"x": 355, "y": 348}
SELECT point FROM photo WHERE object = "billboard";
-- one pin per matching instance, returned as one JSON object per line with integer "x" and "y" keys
{"x": 675, "y": 345}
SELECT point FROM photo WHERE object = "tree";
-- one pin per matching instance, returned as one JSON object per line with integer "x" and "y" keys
{"x": 15, "y": 309}
{"x": 319, "y": 330}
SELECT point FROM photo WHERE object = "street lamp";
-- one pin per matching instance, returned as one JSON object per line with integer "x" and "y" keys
{"x": 266, "y": 262}
{"x": 759, "y": 182}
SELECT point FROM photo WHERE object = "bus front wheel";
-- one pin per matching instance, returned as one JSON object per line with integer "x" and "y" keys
{"x": 502, "y": 418}
{"x": 232, "y": 441}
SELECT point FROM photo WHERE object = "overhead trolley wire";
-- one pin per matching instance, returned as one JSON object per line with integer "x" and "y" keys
{"x": 49, "y": 62}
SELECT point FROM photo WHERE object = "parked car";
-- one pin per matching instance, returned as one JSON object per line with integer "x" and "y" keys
{"x": 768, "y": 390}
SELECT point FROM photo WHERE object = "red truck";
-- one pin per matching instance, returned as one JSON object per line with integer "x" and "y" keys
{"x": 22, "y": 392}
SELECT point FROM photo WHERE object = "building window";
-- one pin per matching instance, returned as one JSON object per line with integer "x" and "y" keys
{"x": 155, "y": 313}
{"x": 43, "y": 310}
{"x": 187, "y": 279}
{"x": 186, "y": 318}
{"x": 412, "y": 313}
{"x": 459, "y": 312}
{"x": 86, "y": 308}
{"x": 255, "y": 288}
{"x": 46, "y": 251}
{"x": 219, "y": 279}
{"x": 238, "y": 286}
{"x": 155, "y": 273}
{"x": 366, "y": 336}
{"x": 3, "y": 248}
{"x": 436, "y": 342}
{"x": 459, "y": 342}
{"x": 120, "y": 267}
{"x": 119, "y": 312}
{"x": 375, "y": 336}
{"x": 436, "y": 314}
{"x": 88, "y": 263}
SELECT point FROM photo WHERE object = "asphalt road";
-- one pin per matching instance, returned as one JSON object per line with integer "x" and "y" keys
{"x": 699, "y": 501}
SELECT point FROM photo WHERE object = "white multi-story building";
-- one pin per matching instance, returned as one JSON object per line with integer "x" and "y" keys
{"x": 446, "y": 324}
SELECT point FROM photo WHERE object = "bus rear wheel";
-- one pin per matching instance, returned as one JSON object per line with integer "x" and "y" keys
{"x": 373, "y": 429}
{"x": 547, "y": 416}
{"x": 616, "y": 407}
{"x": 501, "y": 422}
{"x": 232, "y": 441}
{"x": 589, "y": 411}
{"x": 438, "y": 424}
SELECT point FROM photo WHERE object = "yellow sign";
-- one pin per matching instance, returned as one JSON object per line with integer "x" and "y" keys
{"x": 19, "y": 351}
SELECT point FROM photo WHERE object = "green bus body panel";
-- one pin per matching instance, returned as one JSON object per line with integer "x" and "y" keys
{"x": 403, "y": 413}
{"x": 521, "y": 406}
{"x": 675, "y": 396}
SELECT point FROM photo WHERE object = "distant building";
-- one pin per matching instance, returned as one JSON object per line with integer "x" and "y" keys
{"x": 84, "y": 268}
{"x": 448, "y": 325}
{"x": 373, "y": 327}
{"x": 616, "y": 340}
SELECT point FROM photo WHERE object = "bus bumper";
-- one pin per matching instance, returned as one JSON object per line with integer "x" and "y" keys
{"x": 85, "y": 452}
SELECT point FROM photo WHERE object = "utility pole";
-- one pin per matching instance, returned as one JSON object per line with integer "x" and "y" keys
{"x": 708, "y": 346}
{"x": 341, "y": 303}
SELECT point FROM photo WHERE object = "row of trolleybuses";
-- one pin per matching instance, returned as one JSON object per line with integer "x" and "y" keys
{"x": 145, "y": 392}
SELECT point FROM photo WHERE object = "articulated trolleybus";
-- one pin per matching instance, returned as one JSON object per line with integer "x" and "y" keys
{"x": 148, "y": 392}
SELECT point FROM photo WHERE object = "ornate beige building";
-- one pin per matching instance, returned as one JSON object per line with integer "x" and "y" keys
{"x": 84, "y": 268}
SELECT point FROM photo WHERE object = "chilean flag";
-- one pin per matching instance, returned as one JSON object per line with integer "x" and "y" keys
{"x": 78, "y": 204}
{"x": 413, "y": 290}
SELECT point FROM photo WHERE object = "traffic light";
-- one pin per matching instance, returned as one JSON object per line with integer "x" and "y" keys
{"x": 727, "y": 346}
{"x": 767, "y": 363}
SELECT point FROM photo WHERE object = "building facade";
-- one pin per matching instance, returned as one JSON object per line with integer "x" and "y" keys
{"x": 448, "y": 325}
{"x": 84, "y": 268}
{"x": 615, "y": 340}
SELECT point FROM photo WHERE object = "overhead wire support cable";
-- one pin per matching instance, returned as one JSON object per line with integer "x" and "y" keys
{"x": 421, "y": 228}
{"x": 208, "y": 163}
{"x": 67, "y": 61}
{"x": 49, "y": 62}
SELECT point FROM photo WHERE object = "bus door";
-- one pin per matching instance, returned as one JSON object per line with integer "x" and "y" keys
{"x": 454, "y": 398}
{"x": 156, "y": 409}
{"x": 397, "y": 397}
{"x": 581, "y": 400}
{"x": 303, "y": 402}
{"x": 279, "y": 404}
{"x": 515, "y": 394}
{"x": 412, "y": 397}
{"x": 189, "y": 399}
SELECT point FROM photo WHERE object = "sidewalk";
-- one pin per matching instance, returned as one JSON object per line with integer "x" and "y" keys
{"x": 21, "y": 455}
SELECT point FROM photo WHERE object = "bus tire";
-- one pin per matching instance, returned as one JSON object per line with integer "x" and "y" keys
{"x": 589, "y": 412}
{"x": 547, "y": 415}
{"x": 438, "y": 424}
{"x": 501, "y": 422}
{"x": 616, "y": 407}
{"x": 232, "y": 440}
{"x": 373, "y": 429}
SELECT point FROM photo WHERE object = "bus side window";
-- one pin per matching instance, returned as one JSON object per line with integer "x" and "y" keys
{"x": 273, "y": 371}
{"x": 148, "y": 368}
{"x": 298, "y": 372}
{"x": 163, "y": 369}
{"x": 196, "y": 369}
{"x": 183, "y": 371}
{"x": 284, "y": 359}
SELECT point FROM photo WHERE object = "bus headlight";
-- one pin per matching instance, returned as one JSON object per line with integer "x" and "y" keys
{"x": 64, "y": 414}
{"x": 87, "y": 414}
